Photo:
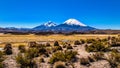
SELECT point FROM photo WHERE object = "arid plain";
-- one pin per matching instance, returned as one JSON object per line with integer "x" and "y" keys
{"x": 23, "y": 39}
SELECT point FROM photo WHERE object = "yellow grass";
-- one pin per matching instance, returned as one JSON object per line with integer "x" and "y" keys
{"x": 23, "y": 39}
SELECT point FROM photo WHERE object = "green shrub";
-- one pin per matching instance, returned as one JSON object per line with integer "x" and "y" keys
{"x": 115, "y": 44}
{"x": 104, "y": 40}
{"x": 8, "y": 46}
{"x": 58, "y": 56}
{"x": 56, "y": 43}
{"x": 25, "y": 62}
{"x": 62, "y": 56}
{"x": 64, "y": 46}
{"x": 22, "y": 48}
{"x": 92, "y": 58}
{"x": 96, "y": 47}
{"x": 82, "y": 41}
{"x": 90, "y": 40}
{"x": 38, "y": 46}
{"x": 57, "y": 48}
{"x": 42, "y": 50}
{"x": 98, "y": 56}
{"x": 32, "y": 53}
{"x": 69, "y": 55}
{"x": 32, "y": 44}
{"x": 114, "y": 59}
{"x": 115, "y": 41}
{"x": 77, "y": 42}
{"x": 69, "y": 46}
{"x": 8, "y": 49}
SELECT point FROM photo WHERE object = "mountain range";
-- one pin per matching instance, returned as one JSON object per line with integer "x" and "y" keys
{"x": 69, "y": 25}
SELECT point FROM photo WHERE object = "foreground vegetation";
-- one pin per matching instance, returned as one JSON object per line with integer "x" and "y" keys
{"x": 63, "y": 54}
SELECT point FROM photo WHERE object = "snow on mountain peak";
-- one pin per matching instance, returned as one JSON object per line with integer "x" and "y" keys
{"x": 74, "y": 22}
{"x": 50, "y": 24}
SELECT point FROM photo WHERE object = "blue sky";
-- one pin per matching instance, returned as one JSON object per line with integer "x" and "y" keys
{"x": 104, "y": 14}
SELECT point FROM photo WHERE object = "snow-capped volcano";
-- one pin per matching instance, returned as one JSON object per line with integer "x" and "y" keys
{"x": 49, "y": 24}
{"x": 74, "y": 22}
{"x": 45, "y": 26}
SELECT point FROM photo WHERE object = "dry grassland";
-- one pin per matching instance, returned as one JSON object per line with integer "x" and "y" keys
{"x": 23, "y": 39}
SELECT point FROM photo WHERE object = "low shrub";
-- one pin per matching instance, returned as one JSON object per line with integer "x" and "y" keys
{"x": 82, "y": 41}
{"x": 64, "y": 46}
{"x": 104, "y": 40}
{"x": 114, "y": 59}
{"x": 97, "y": 47}
{"x": 8, "y": 49}
{"x": 77, "y": 42}
{"x": 8, "y": 46}
{"x": 32, "y": 53}
{"x": 57, "y": 48}
{"x": 56, "y": 43}
{"x": 70, "y": 55}
{"x": 32, "y": 44}
{"x": 21, "y": 59}
{"x": 22, "y": 48}
{"x": 62, "y": 56}
{"x": 92, "y": 58}
{"x": 90, "y": 41}
{"x": 42, "y": 50}
{"x": 98, "y": 56}
{"x": 25, "y": 62}
{"x": 69, "y": 46}
{"x": 115, "y": 44}
{"x": 38, "y": 46}
{"x": 58, "y": 56}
